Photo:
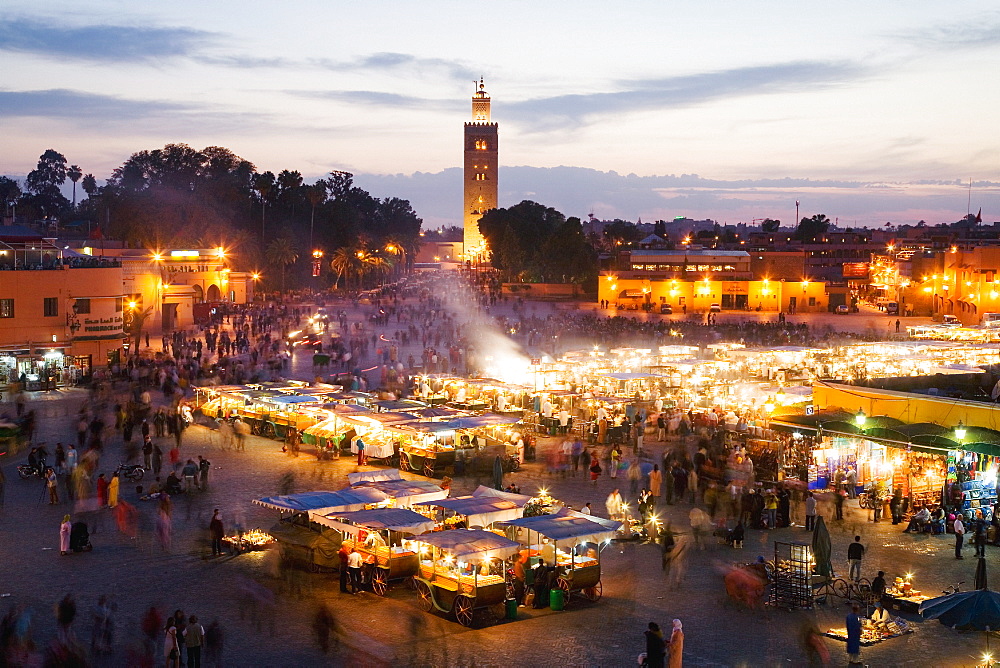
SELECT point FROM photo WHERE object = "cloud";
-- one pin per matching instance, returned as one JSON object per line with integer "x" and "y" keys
{"x": 102, "y": 43}
{"x": 388, "y": 61}
{"x": 681, "y": 91}
{"x": 378, "y": 98}
{"x": 577, "y": 191}
{"x": 73, "y": 104}
{"x": 983, "y": 32}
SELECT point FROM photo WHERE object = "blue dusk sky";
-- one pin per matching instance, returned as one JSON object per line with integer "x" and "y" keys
{"x": 868, "y": 112}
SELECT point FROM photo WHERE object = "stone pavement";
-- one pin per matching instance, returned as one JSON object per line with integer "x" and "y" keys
{"x": 266, "y": 625}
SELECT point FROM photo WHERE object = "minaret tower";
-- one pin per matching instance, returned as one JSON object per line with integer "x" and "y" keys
{"x": 480, "y": 177}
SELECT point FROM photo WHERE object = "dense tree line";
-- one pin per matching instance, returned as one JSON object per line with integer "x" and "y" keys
{"x": 178, "y": 196}
{"x": 532, "y": 242}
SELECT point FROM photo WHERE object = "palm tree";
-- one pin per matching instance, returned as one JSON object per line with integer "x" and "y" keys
{"x": 263, "y": 184}
{"x": 342, "y": 262}
{"x": 282, "y": 252}
{"x": 74, "y": 173}
{"x": 89, "y": 185}
{"x": 316, "y": 194}
{"x": 393, "y": 247}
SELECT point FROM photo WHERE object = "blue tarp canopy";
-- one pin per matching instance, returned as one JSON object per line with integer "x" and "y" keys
{"x": 376, "y": 519}
{"x": 400, "y": 405}
{"x": 627, "y": 376}
{"x": 478, "y": 510}
{"x": 464, "y": 542}
{"x": 378, "y": 475}
{"x": 520, "y": 499}
{"x": 406, "y": 492}
{"x": 475, "y": 421}
{"x": 295, "y": 399}
{"x": 353, "y": 498}
{"x": 565, "y": 527}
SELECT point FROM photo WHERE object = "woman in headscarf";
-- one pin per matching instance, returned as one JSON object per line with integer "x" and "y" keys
{"x": 113, "y": 490}
{"x": 64, "y": 531}
{"x": 676, "y": 645}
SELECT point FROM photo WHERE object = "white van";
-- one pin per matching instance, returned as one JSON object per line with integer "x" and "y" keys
{"x": 991, "y": 320}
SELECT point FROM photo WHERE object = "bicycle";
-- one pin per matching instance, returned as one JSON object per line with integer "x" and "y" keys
{"x": 953, "y": 589}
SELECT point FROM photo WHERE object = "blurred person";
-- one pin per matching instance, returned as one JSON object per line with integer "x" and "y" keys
{"x": 217, "y": 530}
{"x": 52, "y": 484}
{"x": 113, "y": 490}
{"x": 64, "y": 532}
{"x": 676, "y": 645}
{"x": 323, "y": 625}
{"x": 214, "y": 641}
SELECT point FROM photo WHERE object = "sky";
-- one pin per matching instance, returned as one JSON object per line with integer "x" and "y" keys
{"x": 867, "y": 112}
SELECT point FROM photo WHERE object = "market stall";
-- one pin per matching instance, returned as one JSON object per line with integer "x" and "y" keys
{"x": 352, "y": 498}
{"x": 399, "y": 493}
{"x": 379, "y": 535}
{"x": 578, "y": 561}
{"x": 462, "y": 512}
{"x": 462, "y": 571}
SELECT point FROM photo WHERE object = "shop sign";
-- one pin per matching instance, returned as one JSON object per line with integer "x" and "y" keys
{"x": 111, "y": 327}
{"x": 536, "y": 361}
{"x": 736, "y": 287}
{"x": 855, "y": 269}
{"x": 810, "y": 409}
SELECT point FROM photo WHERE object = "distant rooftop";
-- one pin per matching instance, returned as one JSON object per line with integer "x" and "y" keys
{"x": 692, "y": 253}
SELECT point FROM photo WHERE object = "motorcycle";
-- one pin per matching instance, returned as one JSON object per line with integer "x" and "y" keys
{"x": 131, "y": 472}
{"x": 26, "y": 471}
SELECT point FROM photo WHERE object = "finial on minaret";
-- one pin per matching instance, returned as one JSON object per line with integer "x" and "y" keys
{"x": 482, "y": 85}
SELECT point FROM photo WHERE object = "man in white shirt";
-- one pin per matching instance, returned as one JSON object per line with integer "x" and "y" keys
{"x": 354, "y": 570}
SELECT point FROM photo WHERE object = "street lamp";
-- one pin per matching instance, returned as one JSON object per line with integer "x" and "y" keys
{"x": 960, "y": 431}
{"x": 860, "y": 418}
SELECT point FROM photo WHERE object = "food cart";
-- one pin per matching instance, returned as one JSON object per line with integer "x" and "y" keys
{"x": 377, "y": 535}
{"x": 580, "y": 567}
{"x": 302, "y": 541}
{"x": 462, "y": 571}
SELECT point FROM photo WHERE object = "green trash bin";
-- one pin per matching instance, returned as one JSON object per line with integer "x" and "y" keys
{"x": 557, "y": 599}
{"x": 511, "y": 608}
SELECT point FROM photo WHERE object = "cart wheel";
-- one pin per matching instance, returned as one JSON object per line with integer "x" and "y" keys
{"x": 593, "y": 593}
{"x": 404, "y": 462}
{"x": 463, "y": 610}
{"x": 563, "y": 584}
{"x": 841, "y": 588}
{"x": 380, "y": 581}
{"x": 424, "y": 592}
{"x": 411, "y": 582}
{"x": 429, "y": 470}
{"x": 313, "y": 567}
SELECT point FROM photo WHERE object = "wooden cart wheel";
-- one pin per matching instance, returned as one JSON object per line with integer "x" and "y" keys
{"x": 841, "y": 588}
{"x": 380, "y": 581}
{"x": 564, "y": 584}
{"x": 463, "y": 610}
{"x": 593, "y": 593}
{"x": 424, "y": 592}
{"x": 428, "y": 468}
{"x": 404, "y": 462}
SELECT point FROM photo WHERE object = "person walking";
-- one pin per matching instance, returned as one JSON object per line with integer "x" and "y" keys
{"x": 595, "y": 469}
{"x": 855, "y": 552}
{"x": 810, "y": 512}
{"x": 343, "y": 554}
{"x": 194, "y": 637}
{"x": 655, "y": 480}
{"x": 113, "y": 490}
{"x": 959, "y": 527}
{"x": 655, "y": 646}
{"x": 52, "y": 482}
{"x": 853, "y": 621}
{"x": 147, "y": 453}
{"x": 676, "y": 645}
{"x": 634, "y": 474}
{"x": 616, "y": 459}
{"x": 218, "y": 532}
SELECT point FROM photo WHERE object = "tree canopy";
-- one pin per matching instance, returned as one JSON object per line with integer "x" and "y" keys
{"x": 530, "y": 241}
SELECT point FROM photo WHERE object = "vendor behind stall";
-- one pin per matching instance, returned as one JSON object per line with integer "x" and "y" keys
{"x": 880, "y": 617}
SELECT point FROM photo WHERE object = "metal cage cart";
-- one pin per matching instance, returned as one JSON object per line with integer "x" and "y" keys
{"x": 792, "y": 585}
